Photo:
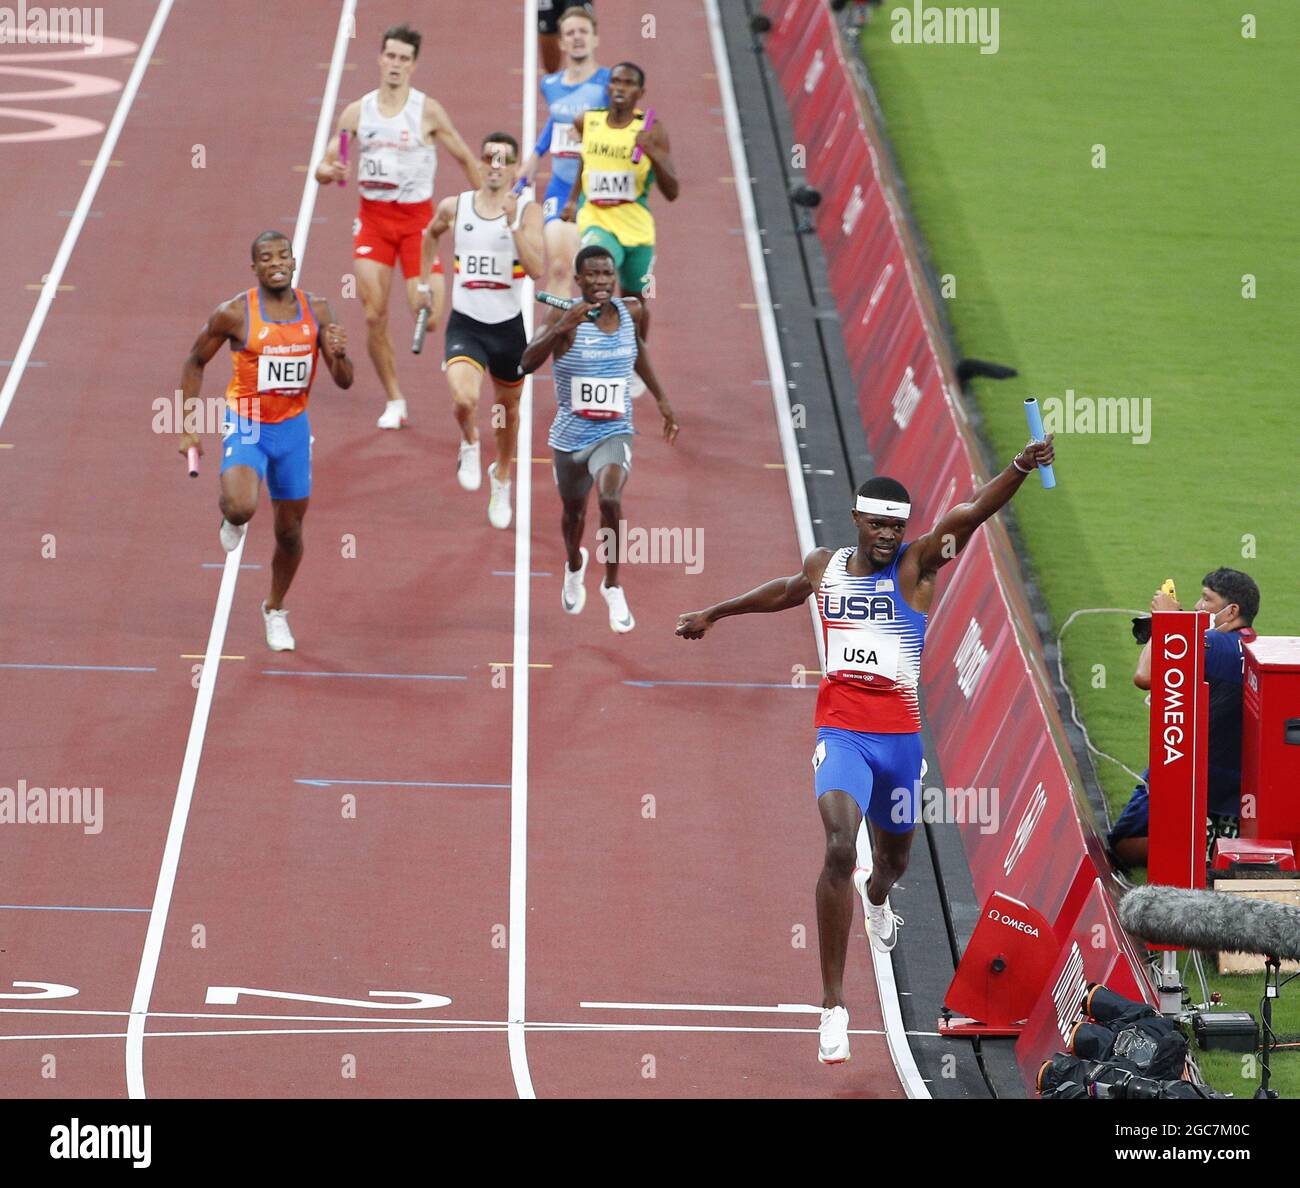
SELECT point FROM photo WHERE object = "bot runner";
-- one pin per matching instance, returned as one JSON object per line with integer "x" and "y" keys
{"x": 591, "y": 436}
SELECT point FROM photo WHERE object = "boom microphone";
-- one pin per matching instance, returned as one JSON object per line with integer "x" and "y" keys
{"x": 1212, "y": 920}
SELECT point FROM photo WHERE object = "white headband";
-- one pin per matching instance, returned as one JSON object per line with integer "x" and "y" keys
{"x": 882, "y": 507}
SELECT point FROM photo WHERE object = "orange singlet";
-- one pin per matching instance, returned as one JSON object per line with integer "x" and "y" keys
{"x": 273, "y": 372}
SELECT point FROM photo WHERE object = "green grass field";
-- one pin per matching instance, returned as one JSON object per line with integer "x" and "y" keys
{"x": 1125, "y": 282}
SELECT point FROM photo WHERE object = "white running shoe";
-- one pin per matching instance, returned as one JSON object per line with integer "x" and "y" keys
{"x": 393, "y": 416}
{"x": 232, "y": 535}
{"x": 573, "y": 597}
{"x": 636, "y": 387}
{"x": 882, "y": 923}
{"x": 469, "y": 468}
{"x": 499, "y": 512}
{"x": 278, "y": 636}
{"x": 834, "y": 1046}
{"x": 620, "y": 618}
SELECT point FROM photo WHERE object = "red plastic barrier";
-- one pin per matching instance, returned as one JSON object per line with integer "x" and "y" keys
{"x": 1097, "y": 951}
{"x": 994, "y": 718}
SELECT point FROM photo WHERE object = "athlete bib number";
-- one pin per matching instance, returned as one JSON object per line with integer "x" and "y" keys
{"x": 609, "y": 188}
{"x": 563, "y": 141}
{"x": 283, "y": 375}
{"x": 485, "y": 270}
{"x": 598, "y": 399}
{"x": 861, "y": 654}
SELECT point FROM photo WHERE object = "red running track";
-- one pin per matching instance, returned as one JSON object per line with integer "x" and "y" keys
{"x": 351, "y": 833}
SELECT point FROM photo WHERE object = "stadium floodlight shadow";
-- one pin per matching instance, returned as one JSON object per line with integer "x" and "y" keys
{"x": 805, "y": 199}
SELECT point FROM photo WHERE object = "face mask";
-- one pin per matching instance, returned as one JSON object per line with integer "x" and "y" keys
{"x": 1214, "y": 617}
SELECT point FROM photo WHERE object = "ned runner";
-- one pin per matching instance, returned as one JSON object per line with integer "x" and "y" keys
{"x": 873, "y": 599}
{"x": 393, "y": 133}
{"x": 274, "y": 332}
{"x": 591, "y": 436}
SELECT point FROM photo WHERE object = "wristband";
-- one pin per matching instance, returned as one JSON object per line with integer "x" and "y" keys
{"x": 1020, "y": 468}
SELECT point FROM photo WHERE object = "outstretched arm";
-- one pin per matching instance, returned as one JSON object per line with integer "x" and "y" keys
{"x": 780, "y": 594}
{"x": 950, "y": 535}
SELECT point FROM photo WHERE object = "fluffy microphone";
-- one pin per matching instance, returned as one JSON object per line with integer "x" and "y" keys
{"x": 1212, "y": 920}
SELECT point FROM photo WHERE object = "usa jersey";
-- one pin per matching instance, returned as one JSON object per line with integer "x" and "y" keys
{"x": 873, "y": 650}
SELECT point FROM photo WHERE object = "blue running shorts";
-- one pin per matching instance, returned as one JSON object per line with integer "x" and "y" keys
{"x": 280, "y": 452}
{"x": 882, "y": 772}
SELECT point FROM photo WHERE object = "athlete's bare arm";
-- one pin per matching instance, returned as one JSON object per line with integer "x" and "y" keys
{"x": 528, "y": 235}
{"x": 646, "y": 371}
{"x": 929, "y": 553}
{"x": 438, "y": 125}
{"x": 780, "y": 594}
{"x": 655, "y": 146}
{"x": 225, "y": 325}
{"x": 333, "y": 341}
{"x": 555, "y": 338}
{"x": 569, "y": 211}
{"x": 442, "y": 220}
{"x": 330, "y": 168}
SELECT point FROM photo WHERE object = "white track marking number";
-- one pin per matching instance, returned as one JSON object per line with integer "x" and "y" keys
{"x": 44, "y": 990}
{"x": 230, "y": 995}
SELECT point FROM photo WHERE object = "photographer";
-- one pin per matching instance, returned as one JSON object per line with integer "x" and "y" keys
{"x": 1231, "y": 598}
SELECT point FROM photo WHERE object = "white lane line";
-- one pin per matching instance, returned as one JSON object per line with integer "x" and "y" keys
{"x": 55, "y": 276}
{"x": 216, "y": 638}
{"x": 517, "y": 927}
{"x": 451, "y": 1029}
{"x": 781, "y": 1008}
{"x": 904, "y": 1062}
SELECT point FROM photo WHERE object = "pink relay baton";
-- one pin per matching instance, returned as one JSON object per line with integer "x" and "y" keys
{"x": 192, "y": 458}
{"x": 343, "y": 153}
{"x": 649, "y": 123}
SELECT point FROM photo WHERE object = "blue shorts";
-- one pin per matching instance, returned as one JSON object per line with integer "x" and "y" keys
{"x": 557, "y": 194}
{"x": 279, "y": 452}
{"x": 882, "y": 772}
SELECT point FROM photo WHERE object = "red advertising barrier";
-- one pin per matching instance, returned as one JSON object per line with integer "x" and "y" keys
{"x": 1178, "y": 783}
{"x": 995, "y": 723}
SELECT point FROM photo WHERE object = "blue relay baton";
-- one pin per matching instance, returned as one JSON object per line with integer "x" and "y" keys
{"x": 1035, "y": 419}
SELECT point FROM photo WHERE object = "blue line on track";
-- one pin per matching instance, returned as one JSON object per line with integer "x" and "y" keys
{"x": 53, "y": 907}
{"x": 395, "y": 784}
{"x": 722, "y": 684}
{"x": 376, "y": 676}
{"x": 82, "y": 667}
